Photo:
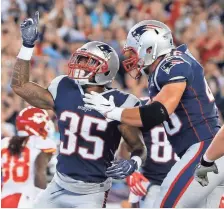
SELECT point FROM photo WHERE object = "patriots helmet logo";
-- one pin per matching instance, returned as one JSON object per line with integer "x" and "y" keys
{"x": 142, "y": 29}
{"x": 106, "y": 49}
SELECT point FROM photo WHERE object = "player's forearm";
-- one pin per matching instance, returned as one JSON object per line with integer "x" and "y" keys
{"x": 131, "y": 117}
{"x": 41, "y": 163}
{"x": 20, "y": 74}
{"x": 147, "y": 116}
{"x": 134, "y": 142}
{"x": 141, "y": 152}
{"x": 216, "y": 149}
{"x": 123, "y": 151}
{"x": 41, "y": 180}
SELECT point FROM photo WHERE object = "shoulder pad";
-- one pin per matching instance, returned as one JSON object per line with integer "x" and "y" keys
{"x": 170, "y": 62}
{"x": 173, "y": 68}
{"x": 52, "y": 88}
{"x": 127, "y": 100}
{"x": 122, "y": 99}
{"x": 131, "y": 101}
{"x": 182, "y": 48}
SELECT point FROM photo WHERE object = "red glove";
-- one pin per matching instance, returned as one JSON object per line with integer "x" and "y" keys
{"x": 222, "y": 202}
{"x": 135, "y": 181}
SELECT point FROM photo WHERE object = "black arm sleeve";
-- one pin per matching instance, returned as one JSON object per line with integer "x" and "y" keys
{"x": 152, "y": 115}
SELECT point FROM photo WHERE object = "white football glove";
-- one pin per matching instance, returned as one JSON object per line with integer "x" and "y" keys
{"x": 106, "y": 107}
{"x": 200, "y": 173}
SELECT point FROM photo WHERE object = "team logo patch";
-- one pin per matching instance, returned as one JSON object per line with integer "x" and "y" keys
{"x": 168, "y": 65}
{"x": 106, "y": 50}
{"x": 142, "y": 29}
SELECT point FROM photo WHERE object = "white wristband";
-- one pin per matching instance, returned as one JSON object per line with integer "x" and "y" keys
{"x": 138, "y": 160}
{"x": 115, "y": 114}
{"x": 25, "y": 53}
{"x": 206, "y": 159}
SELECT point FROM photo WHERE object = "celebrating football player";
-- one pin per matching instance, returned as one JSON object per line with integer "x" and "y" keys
{"x": 88, "y": 140}
{"x": 181, "y": 100}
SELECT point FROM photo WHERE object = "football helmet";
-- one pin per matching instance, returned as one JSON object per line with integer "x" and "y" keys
{"x": 146, "y": 41}
{"x": 33, "y": 121}
{"x": 95, "y": 63}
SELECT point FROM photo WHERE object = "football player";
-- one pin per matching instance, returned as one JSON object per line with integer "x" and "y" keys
{"x": 181, "y": 100}
{"x": 25, "y": 158}
{"x": 145, "y": 185}
{"x": 88, "y": 140}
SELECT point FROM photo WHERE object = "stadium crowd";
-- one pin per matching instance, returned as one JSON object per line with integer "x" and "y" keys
{"x": 66, "y": 24}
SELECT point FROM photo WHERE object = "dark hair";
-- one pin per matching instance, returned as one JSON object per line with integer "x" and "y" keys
{"x": 16, "y": 145}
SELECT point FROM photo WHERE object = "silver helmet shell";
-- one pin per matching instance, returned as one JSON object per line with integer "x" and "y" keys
{"x": 149, "y": 39}
{"x": 101, "y": 66}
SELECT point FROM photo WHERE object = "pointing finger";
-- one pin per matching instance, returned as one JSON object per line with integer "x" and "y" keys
{"x": 36, "y": 18}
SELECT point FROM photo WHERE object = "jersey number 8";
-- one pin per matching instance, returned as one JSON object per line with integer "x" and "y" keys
{"x": 161, "y": 150}
{"x": 73, "y": 132}
{"x": 14, "y": 167}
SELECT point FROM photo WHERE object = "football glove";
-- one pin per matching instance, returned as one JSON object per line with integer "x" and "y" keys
{"x": 106, "y": 107}
{"x": 29, "y": 30}
{"x": 121, "y": 169}
{"x": 201, "y": 170}
{"x": 98, "y": 102}
{"x": 137, "y": 183}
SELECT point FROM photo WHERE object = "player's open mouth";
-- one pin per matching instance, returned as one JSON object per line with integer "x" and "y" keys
{"x": 82, "y": 74}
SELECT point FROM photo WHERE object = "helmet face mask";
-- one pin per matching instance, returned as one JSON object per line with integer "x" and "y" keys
{"x": 95, "y": 63}
{"x": 131, "y": 63}
{"x": 84, "y": 65}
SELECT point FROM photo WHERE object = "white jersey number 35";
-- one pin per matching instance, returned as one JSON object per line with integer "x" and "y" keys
{"x": 78, "y": 127}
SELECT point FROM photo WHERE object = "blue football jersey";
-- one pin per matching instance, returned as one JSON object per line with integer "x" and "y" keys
{"x": 87, "y": 141}
{"x": 196, "y": 116}
{"x": 160, "y": 154}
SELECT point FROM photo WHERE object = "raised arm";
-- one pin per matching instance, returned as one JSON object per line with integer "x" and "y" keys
{"x": 31, "y": 92}
{"x": 20, "y": 83}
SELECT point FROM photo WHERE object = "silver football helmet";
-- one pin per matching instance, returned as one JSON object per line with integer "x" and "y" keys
{"x": 146, "y": 41}
{"x": 95, "y": 63}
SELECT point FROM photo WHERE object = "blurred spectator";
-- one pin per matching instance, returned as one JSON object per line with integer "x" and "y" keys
{"x": 211, "y": 45}
{"x": 100, "y": 16}
{"x": 216, "y": 82}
